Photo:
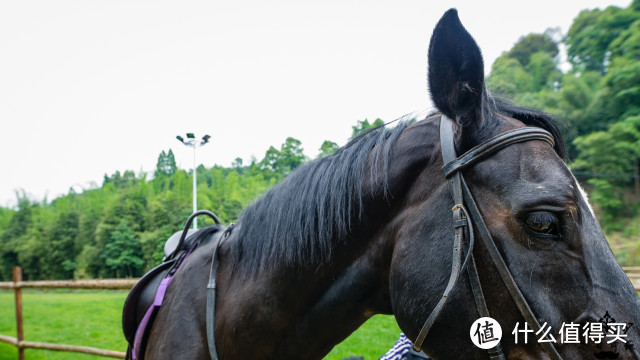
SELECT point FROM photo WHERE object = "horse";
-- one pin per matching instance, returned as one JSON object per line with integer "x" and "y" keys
{"x": 368, "y": 230}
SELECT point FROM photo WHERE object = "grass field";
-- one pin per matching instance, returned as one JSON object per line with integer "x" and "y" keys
{"x": 92, "y": 318}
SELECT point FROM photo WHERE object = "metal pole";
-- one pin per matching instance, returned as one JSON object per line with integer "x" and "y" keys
{"x": 191, "y": 141}
{"x": 195, "y": 189}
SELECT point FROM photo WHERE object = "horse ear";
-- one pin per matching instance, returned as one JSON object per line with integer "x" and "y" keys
{"x": 456, "y": 71}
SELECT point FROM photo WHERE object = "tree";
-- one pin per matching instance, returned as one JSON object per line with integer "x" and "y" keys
{"x": 591, "y": 33}
{"x": 128, "y": 178}
{"x": 166, "y": 165}
{"x": 19, "y": 224}
{"x": 508, "y": 77}
{"x": 627, "y": 44}
{"x": 543, "y": 71}
{"x": 612, "y": 157}
{"x": 89, "y": 262}
{"x": 282, "y": 162}
{"x": 328, "y": 148}
{"x": 123, "y": 253}
{"x": 61, "y": 246}
{"x": 623, "y": 87}
{"x": 364, "y": 125}
{"x": 270, "y": 160}
{"x": 529, "y": 67}
{"x": 5, "y": 217}
{"x": 531, "y": 44}
{"x": 292, "y": 154}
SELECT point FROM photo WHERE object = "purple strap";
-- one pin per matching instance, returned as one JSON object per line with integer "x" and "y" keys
{"x": 157, "y": 302}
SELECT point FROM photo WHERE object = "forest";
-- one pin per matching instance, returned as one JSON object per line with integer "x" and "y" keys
{"x": 588, "y": 78}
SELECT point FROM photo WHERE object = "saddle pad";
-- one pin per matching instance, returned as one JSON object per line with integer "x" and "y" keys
{"x": 140, "y": 298}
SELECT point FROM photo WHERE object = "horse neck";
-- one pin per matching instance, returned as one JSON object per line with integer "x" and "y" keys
{"x": 302, "y": 311}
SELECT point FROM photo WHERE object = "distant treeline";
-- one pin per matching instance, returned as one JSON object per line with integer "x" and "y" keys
{"x": 119, "y": 229}
{"x": 598, "y": 99}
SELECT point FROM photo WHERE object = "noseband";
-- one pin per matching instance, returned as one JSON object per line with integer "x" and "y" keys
{"x": 464, "y": 219}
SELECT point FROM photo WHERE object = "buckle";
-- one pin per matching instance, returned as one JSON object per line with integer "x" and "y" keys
{"x": 459, "y": 216}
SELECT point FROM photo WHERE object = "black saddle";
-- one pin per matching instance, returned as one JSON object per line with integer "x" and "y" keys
{"x": 141, "y": 297}
{"x": 143, "y": 293}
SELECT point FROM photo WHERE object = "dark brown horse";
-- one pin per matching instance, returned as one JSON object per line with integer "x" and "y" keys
{"x": 368, "y": 231}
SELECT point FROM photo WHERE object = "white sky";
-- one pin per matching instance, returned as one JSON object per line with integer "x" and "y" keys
{"x": 89, "y": 87}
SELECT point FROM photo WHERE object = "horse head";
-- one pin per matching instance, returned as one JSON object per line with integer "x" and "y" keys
{"x": 538, "y": 217}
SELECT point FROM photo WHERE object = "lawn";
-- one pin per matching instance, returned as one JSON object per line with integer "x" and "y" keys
{"x": 64, "y": 317}
{"x": 92, "y": 318}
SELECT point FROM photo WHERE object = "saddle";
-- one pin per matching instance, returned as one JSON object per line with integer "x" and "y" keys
{"x": 146, "y": 295}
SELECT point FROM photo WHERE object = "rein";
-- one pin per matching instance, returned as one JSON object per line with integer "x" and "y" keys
{"x": 466, "y": 217}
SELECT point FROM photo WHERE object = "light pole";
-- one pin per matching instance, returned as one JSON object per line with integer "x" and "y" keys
{"x": 192, "y": 142}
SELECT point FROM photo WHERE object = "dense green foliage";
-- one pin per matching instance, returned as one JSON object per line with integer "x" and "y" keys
{"x": 119, "y": 228}
{"x": 598, "y": 97}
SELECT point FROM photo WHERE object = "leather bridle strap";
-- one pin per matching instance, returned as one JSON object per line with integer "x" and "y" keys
{"x": 461, "y": 195}
{"x": 460, "y": 221}
{"x": 505, "y": 274}
{"x": 211, "y": 295}
{"x": 477, "y": 153}
{"x": 448, "y": 155}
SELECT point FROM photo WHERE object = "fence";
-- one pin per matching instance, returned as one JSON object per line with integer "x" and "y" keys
{"x": 110, "y": 284}
{"x": 17, "y": 285}
{"x": 633, "y": 272}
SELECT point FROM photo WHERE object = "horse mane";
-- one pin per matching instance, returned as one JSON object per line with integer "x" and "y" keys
{"x": 301, "y": 219}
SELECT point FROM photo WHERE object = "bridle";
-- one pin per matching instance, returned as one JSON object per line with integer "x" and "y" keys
{"x": 464, "y": 218}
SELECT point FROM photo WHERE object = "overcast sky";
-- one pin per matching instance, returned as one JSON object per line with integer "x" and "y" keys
{"x": 89, "y": 87}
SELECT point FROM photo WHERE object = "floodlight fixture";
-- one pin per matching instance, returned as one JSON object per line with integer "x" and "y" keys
{"x": 205, "y": 139}
{"x": 191, "y": 142}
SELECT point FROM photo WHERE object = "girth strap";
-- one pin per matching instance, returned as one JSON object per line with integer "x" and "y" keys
{"x": 461, "y": 196}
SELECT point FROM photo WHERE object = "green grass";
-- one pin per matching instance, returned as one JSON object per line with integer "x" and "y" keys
{"x": 371, "y": 340}
{"x": 93, "y": 318}
{"x": 64, "y": 317}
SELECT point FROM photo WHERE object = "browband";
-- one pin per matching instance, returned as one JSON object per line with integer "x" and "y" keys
{"x": 494, "y": 144}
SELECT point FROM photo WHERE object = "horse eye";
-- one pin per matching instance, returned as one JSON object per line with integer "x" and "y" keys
{"x": 542, "y": 222}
